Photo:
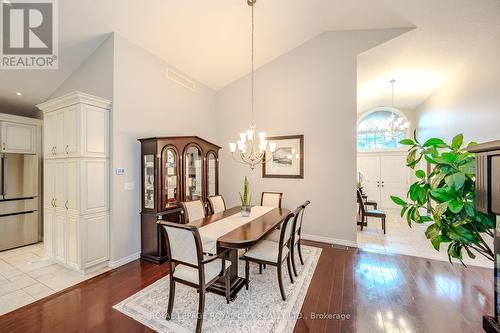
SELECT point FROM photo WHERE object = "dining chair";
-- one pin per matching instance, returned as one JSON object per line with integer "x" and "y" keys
{"x": 267, "y": 252}
{"x": 369, "y": 213}
{"x": 295, "y": 236}
{"x": 193, "y": 210}
{"x": 217, "y": 204}
{"x": 271, "y": 199}
{"x": 188, "y": 266}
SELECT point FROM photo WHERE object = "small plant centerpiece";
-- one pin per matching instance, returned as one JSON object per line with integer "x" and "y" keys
{"x": 445, "y": 196}
{"x": 246, "y": 199}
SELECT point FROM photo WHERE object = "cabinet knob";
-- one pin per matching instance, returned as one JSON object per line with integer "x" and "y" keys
{"x": 55, "y": 200}
{"x": 67, "y": 149}
{"x": 66, "y": 204}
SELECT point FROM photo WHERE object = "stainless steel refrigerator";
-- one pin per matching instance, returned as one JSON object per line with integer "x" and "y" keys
{"x": 19, "y": 223}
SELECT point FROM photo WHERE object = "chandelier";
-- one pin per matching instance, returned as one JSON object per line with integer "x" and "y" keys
{"x": 395, "y": 124}
{"x": 251, "y": 147}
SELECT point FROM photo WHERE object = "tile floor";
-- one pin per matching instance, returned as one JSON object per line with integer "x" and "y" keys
{"x": 26, "y": 275}
{"x": 401, "y": 239}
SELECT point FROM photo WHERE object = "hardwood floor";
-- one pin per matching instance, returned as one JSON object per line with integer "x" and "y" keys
{"x": 372, "y": 292}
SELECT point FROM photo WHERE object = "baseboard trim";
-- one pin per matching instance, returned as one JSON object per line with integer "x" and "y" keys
{"x": 329, "y": 240}
{"x": 125, "y": 260}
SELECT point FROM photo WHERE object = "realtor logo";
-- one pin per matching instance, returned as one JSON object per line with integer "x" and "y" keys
{"x": 29, "y": 34}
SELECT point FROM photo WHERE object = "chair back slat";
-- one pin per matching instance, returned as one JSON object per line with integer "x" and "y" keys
{"x": 361, "y": 202}
{"x": 217, "y": 203}
{"x": 298, "y": 223}
{"x": 271, "y": 199}
{"x": 287, "y": 228}
{"x": 193, "y": 210}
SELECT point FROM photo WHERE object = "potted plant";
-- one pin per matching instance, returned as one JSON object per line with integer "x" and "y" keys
{"x": 445, "y": 196}
{"x": 245, "y": 198}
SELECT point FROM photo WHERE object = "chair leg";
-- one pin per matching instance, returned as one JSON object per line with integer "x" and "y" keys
{"x": 247, "y": 273}
{"x": 299, "y": 249}
{"x": 383, "y": 224}
{"x": 280, "y": 282}
{"x": 260, "y": 268}
{"x": 289, "y": 265}
{"x": 228, "y": 287}
{"x": 362, "y": 222}
{"x": 171, "y": 297}
{"x": 292, "y": 254}
{"x": 201, "y": 309}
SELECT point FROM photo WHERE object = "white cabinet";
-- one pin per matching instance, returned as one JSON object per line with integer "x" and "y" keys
{"x": 76, "y": 180}
{"x": 75, "y": 130}
{"x": 384, "y": 175}
{"x": 17, "y": 138}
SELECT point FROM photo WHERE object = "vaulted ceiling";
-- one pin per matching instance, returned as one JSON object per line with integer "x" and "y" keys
{"x": 210, "y": 40}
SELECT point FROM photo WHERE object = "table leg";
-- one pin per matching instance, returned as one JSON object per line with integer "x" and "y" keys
{"x": 236, "y": 281}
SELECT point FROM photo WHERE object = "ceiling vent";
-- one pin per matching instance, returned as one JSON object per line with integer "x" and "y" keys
{"x": 181, "y": 79}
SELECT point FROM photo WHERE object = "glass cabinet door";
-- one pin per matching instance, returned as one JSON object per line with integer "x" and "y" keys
{"x": 211, "y": 174}
{"x": 170, "y": 178}
{"x": 193, "y": 174}
{"x": 149, "y": 181}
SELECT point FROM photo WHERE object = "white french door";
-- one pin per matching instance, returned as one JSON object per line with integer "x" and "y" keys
{"x": 384, "y": 175}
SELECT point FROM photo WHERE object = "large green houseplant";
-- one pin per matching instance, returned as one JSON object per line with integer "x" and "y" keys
{"x": 445, "y": 196}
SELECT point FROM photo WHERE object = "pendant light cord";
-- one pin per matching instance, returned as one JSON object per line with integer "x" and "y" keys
{"x": 252, "y": 65}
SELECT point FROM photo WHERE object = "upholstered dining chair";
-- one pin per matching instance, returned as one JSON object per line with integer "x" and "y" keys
{"x": 188, "y": 266}
{"x": 369, "y": 213}
{"x": 271, "y": 199}
{"x": 295, "y": 236}
{"x": 272, "y": 253}
{"x": 217, "y": 204}
{"x": 193, "y": 210}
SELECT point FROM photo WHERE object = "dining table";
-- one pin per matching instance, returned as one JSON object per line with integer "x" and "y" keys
{"x": 230, "y": 231}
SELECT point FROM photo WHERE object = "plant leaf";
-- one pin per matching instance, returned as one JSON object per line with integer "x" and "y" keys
{"x": 420, "y": 174}
{"x": 457, "y": 141}
{"x": 433, "y": 142}
{"x": 407, "y": 142}
{"x": 455, "y": 206}
{"x": 398, "y": 201}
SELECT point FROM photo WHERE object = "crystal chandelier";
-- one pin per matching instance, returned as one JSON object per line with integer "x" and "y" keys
{"x": 251, "y": 148}
{"x": 395, "y": 124}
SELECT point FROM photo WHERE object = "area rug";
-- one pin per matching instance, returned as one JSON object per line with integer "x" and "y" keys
{"x": 259, "y": 309}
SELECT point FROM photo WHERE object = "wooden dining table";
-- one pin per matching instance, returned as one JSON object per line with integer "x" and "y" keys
{"x": 242, "y": 237}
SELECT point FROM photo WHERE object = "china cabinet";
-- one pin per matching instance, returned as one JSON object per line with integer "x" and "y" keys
{"x": 174, "y": 169}
{"x": 488, "y": 201}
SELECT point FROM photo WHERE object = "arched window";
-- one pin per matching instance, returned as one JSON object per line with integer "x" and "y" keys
{"x": 382, "y": 128}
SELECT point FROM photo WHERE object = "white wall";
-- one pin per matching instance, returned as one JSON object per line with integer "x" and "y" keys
{"x": 469, "y": 102}
{"x": 146, "y": 104}
{"x": 312, "y": 91}
{"x": 94, "y": 76}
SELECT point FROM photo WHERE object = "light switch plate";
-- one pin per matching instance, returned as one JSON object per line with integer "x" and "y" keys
{"x": 128, "y": 186}
{"x": 120, "y": 171}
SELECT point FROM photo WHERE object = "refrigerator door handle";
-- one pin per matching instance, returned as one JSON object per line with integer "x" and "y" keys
{"x": 2, "y": 177}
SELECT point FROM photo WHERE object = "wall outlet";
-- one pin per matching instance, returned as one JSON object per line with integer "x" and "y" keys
{"x": 128, "y": 186}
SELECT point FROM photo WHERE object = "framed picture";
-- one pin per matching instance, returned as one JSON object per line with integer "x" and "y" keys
{"x": 287, "y": 161}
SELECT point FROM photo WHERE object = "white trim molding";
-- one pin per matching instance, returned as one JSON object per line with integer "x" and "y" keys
{"x": 125, "y": 260}
{"x": 329, "y": 240}
{"x": 73, "y": 98}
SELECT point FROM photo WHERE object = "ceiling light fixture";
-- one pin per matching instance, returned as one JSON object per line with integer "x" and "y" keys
{"x": 251, "y": 146}
{"x": 18, "y": 93}
{"x": 395, "y": 124}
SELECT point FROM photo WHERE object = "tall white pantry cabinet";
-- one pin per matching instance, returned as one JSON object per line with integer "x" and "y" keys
{"x": 76, "y": 180}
